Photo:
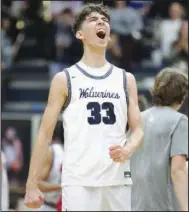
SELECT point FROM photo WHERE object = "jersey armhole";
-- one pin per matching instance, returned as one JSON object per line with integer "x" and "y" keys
{"x": 125, "y": 87}
{"x": 68, "y": 99}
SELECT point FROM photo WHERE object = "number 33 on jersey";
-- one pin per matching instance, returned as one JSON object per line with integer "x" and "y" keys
{"x": 94, "y": 116}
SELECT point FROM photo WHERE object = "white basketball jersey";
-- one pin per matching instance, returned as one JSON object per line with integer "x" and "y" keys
{"x": 55, "y": 173}
{"x": 94, "y": 118}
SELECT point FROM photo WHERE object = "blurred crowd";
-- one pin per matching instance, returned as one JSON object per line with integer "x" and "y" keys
{"x": 13, "y": 164}
{"x": 13, "y": 152}
{"x": 12, "y": 160}
{"x": 144, "y": 34}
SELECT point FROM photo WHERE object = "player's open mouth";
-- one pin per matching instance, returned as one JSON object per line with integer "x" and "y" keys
{"x": 101, "y": 34}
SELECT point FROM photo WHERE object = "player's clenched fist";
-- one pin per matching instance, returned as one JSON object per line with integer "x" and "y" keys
{"x": 33, "y": 198}
{"x": 119, "y": 154}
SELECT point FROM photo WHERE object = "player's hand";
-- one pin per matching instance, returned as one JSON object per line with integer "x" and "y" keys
{"x": 33, "y": 198}
{"x": 119, "y": 154}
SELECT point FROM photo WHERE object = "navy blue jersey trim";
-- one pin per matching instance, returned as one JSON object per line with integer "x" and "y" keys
{"x": 95, "y": 77}
{"x": 125, "y": 87}
{"x": 68, "y": 99}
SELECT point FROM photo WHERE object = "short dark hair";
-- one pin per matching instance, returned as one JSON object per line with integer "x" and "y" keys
{"x": 170, "y": 87}
{"x": 88, "y": 9}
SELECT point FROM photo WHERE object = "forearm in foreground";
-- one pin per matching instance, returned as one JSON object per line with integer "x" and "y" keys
{"x": 180, "y": 182}
{"x": 48, "y": 187}
{"x": 37, "y": 160}
{"x": 135, "y": 139}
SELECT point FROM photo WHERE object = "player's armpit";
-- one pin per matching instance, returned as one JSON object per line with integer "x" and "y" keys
{"x": 179, "y": 176}
{"x": 178, "y": 162}
{"x": 134, "y": 116}
{"x": 56, "y": 100}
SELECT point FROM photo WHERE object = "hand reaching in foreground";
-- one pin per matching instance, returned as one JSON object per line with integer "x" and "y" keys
{"x": 33, "y": 198}
{"x": 120, "y": 154}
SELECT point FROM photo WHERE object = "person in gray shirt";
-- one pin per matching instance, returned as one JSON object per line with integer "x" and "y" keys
{"x": 158, "y": 168}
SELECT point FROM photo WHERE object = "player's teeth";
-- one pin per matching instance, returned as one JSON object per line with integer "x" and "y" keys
{"x": 101, "y": 30}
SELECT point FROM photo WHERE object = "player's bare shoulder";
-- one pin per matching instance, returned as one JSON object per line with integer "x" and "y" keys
{"x": 129, "y": 76}
{"x": 60, "y": 78}
{"x": 131, "y": 81}
{"x": 59, "y": 81}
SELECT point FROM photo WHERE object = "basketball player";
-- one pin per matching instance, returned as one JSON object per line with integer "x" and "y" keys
{"x": 5, "y": 186}
{"x": 159, "y": 173}
{"x": 50, "y": 179}
{"x": 98, "y": 100}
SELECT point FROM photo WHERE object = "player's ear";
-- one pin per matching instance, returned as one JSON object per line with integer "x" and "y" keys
{"x": 79, "y": 35}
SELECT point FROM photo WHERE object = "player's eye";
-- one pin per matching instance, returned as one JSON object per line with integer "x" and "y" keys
{"x": 92, "y": 19}
{"x": 106, "y": 20}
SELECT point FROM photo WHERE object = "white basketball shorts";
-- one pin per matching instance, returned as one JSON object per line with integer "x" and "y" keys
{"x": 112, "y": 198}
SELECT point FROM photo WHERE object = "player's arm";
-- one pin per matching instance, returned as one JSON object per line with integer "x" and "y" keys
{"x": 121, "y": 154}
{"x": 179, "y": 176}
{"x": 178, "y": 155}
{"x": 57, "y": 97}
{"x": 43, "y": 185}
{"x": 48, "y": 187}
{"x": 134, "y": 117}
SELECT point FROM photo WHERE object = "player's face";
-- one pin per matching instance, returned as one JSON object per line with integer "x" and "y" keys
{"x": 95, "y": 30}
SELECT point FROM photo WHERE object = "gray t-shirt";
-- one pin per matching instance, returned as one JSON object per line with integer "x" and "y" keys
{"x": 165, "y": 135}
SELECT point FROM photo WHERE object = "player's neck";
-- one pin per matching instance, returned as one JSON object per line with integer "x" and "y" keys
{"x": 93, "y": 57}
{"x": 176, "y": 106}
